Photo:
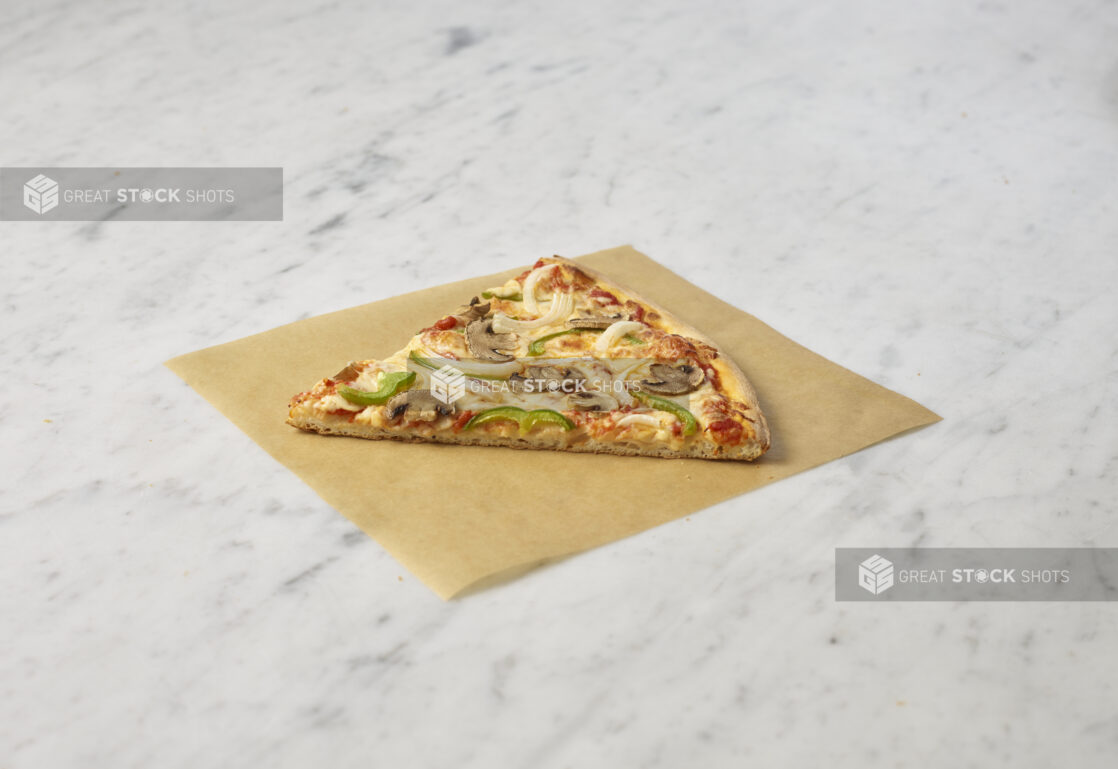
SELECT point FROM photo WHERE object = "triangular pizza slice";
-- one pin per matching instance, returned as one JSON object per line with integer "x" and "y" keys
{"x": 560, "y": 357}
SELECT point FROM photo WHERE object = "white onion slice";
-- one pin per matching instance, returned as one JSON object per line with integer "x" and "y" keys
{"x": 620, "y": 371}
{"x": 639, "y": 419}
{"x": 470, "y": 367}
{"x": 624, "y": 398}
{"x": 530, "y": 287}
{"x": 562, "y": 305}
{"x": 613, "y": 333}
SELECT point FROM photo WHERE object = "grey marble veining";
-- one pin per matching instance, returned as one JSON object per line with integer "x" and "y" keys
{"x": 923, "y": 192}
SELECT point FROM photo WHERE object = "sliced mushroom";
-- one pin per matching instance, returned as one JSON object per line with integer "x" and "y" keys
{"x": 673, "y": 380}
{"x": 419, "y": 404}
{"x": 475, "y": 310}
{"x": 592, "y": 401}
{"x": 543, "y": 377}
{"x": 484, "y": 344}
{"x": 594, "y": 321}
{"x": 347, "y": 374}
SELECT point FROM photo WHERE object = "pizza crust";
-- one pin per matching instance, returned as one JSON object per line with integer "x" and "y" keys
{"x": 745, "y": 451}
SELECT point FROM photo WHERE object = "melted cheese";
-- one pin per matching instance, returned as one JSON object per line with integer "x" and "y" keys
{"x": 335, "y": 402}
{"x": 369, "y": 379}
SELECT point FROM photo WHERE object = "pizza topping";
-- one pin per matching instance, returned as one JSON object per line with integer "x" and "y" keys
{"x": 515, "y": 413}
{"x": 677, "y": 347}
{"x": 496, "y": 372}
{"x": 545, "y": 417}
{"x": 449, "y": 344}
{"x": 475, "y": 310}
{"x": 349, "y": 373}
{"x": 712, "y": 375}
{"x": 415, "y": 358}
{"x": 592, "y": 401}
{"x": 537, "y": 346}
{"x": 561, "y": 307}
{"x": 525, "y": 419}
{"x": 726, "y": 431}
{"x": 461, "y": 420}
{"x": 685, "y": 417}
{"x": 510, "y": 292}
{"x": 673, "y": 380}
{"x": 419, "y": 404}
{"x": 613, "y": 333}
{"x": 432, "y": 361}
{"x": 636, "y": 311}
{"x": 545, "y": 379}
{"x": 485, "y": 344}
{"x": 648, "y": 420}
{"x": 336, "y": 404}
{"x": 605, "y": 296}
{"x": 390, "y": 384}
{"x": 530, "y": 287}
{"x": 594, "y": 321}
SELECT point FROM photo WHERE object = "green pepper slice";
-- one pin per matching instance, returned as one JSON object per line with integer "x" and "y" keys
{"x": 516, "y": 297}
{"x": 525, "y": 419}
{"x": 390, "y": 383}
{"x": 686, "y": 418}
{"x": 633, "y": 339}
{"x": 490, "y": 377}
{"x": 536, "y": 347}
{"x": 413, "y": 356}
{"x": 544, "y": 416}
{"x": 515, "y": 413}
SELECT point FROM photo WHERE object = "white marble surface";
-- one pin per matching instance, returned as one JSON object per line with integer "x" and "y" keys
{"x": 923, "y": 192}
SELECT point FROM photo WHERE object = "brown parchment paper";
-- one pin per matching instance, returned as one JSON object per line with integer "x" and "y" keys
{"x": 432, "y": 506}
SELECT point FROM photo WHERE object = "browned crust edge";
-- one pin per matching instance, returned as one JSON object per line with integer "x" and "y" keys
{"x": 590, "y": 446}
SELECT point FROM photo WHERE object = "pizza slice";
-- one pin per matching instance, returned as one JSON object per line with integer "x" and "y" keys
{"x": 559, "y": 357}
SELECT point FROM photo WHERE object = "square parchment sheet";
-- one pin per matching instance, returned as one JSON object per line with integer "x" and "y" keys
{"x": 433, "y": 506}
